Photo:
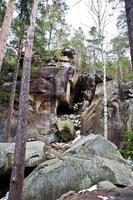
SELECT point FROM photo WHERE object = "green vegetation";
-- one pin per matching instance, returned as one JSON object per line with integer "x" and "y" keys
{"x": 127, "y": 150}
{"x": 4, "y": 97}
{"x": 65, "y": 133}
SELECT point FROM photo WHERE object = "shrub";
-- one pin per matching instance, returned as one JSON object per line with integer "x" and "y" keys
{"x": 65, "y": 133}
{"x": 127, "y": 150}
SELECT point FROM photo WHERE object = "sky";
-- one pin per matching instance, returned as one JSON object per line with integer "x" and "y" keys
{"x": 78, "y": 16}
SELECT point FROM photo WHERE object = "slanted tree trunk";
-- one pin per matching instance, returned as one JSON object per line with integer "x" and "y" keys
{"x": 5, "y": 29}
{"x": 17, "y": 176}
{"x": 12, "y": 97}
{"x": 129, "y": 14}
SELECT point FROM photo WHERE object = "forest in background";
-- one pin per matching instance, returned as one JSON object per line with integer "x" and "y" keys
{"x": 53, "y": 33}
{"x": 44, "y": 22}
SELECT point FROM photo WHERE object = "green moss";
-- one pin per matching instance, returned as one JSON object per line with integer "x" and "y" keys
{"x": 65, "y": 133}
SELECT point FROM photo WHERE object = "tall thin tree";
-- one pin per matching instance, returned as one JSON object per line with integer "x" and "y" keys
{"x": 17, "y": 176}
{"x": 5, "y": 29}
{"x": 129, "y": 14}
{"x": 12, "y": 96}
{"x": 98, "y": 11}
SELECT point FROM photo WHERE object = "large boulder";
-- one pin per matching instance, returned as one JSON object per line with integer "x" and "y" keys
{"x": 51, "y": 89}
{"x": 88, "y": 161}
{"x": 115, "y": 194}
{"x": 38, "y": 126}
{"x": 34, "y": 155}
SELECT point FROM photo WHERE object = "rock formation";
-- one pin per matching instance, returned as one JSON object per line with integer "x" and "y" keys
{"x": 60, "y": 89}
{"x": 34, "y": 155}
{"x": 88, "y": 161}
{"x": 64, "y": 132}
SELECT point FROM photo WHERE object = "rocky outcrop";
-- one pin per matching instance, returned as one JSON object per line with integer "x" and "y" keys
{"x": 60, "y": 89}
{"x": 119, "y": 112}
{"x": 88, "y": 161}
{"x": 51, "y": 89}
{"x": 34, "y": 155}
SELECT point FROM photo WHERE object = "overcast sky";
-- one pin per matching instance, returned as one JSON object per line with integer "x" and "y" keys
{"x": 78, "y": 16}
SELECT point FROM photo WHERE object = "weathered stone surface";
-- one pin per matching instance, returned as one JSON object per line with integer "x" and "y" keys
{"x": 130, "y": 114}
{"x": 52, "y": 137}
{"x": 56, "y": 149}
{"x": 116, "y": 194}
{"x": 50, "y": 88}
{"x": 90, "y": 160}
{"x": 106, "y": 185}
{"x": 38, "y": 126}
{"x": 118, "y": 115}
{"x": 34, "y": 155}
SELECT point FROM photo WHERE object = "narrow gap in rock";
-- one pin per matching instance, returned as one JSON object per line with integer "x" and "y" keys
{"x": 64, "y": 109}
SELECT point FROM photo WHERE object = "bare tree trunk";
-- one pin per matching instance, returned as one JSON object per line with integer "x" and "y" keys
{"x": 12, "y": 97}
{"x": 121, "y": 72}
{"x": 99, "y": 13}
{"x": 50, "y": 36}
{"x": 129, "y": 14}
{"x": 119, "y": 69}
{"x": 105, "y": 103}
{"x": 105, "y": 96}
{"x": 17, "y": 176}
{"x": 5, "y": 29}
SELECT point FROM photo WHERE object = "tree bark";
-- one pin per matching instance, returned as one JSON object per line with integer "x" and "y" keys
{"x": 50, "y": 36}
{"x": 17, "y": 176}
{"x": 129, "y": 14}
{"x": 12, "y": 97}
{"x": 105, "y": 103}
{"x": 5, "y": 29}
{"x": 105, "y": 95}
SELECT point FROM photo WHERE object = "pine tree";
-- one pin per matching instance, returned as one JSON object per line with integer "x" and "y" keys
{"x": 17, "y": 177}
{"x": 5, "y": 29}
{"x": 129, "y": 14}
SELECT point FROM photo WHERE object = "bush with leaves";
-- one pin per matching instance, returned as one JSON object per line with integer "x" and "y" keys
{"x": 65, "y": 134}
{"x": 127, "y": 150}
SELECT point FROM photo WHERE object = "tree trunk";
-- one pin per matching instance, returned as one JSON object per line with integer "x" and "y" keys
{"x": 5, "y": 29}
{"x": 129, "y": 14}
{"x": 105, "y": 103}
{"x": 12, "y": 97}
{"x": 50, "y": 36}
{"x": 17, "y": 176}
{"x": 104, "y": 95}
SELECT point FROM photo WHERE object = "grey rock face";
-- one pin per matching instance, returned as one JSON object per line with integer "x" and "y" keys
{"x": 119, "y": 112}
{"x": 130, "y": 113}
{"x": 107, "y": 185}
{"x": 34, "y": 155}
{"x": 89, "y": 161}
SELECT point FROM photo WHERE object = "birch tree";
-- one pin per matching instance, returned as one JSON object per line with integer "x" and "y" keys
{"x": 98, "y": 9}
{"x": 17, "y": 176}
{"x": 5, "y": 29}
